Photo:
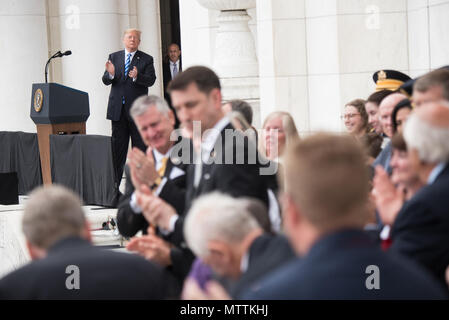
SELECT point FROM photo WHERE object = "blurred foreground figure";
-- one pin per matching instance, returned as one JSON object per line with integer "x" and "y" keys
{"x": 325, "y": 208}
{"x": 66, "y": 265}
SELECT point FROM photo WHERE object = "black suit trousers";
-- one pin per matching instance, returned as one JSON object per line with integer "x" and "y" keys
{"x": 122, "y": 130}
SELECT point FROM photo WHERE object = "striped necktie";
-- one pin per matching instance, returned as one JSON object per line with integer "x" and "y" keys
{"x": 175, "y": 70}
{"x": 127, "y": 63}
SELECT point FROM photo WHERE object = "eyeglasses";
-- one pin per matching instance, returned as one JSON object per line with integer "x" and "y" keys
{"x": 349, "y": 116}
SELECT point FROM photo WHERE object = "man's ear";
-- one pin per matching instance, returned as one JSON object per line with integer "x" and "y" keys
{"x": 171, "y": 117}
{"x": 220, "y": 251}
{"x": 216, "y": 97}
{"x": 292, "y": 216}
{"x": 35, "y": 252}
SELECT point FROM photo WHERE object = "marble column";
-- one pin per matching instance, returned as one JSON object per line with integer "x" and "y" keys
{"x": 91, "y": 30}
{"x": 148, "y": 21}
{"x": 235, "y": 59}
{"x": 23, "y": 52}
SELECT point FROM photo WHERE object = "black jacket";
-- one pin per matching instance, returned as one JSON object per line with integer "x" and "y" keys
{"x": 103, "y": 274}
{"x": 124, "y": 86}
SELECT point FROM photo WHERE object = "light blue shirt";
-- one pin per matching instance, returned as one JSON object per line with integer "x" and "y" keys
{"x": 436, "y": 172}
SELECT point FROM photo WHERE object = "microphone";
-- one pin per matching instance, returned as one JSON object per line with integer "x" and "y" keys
{"x": 58, "y": 54}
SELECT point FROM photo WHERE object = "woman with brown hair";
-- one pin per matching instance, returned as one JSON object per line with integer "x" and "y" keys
{"x": 356, "y": 118}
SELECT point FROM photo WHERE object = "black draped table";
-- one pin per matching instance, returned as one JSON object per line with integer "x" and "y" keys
{"x": 19, "y": 152}
{"x": 83, "y": 163}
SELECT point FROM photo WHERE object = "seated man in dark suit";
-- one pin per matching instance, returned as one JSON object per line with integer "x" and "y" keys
{"x": 226, "y": 160}
{"x": 421, "y": 228}
{"x": 230, "y": 239}
{"x": 66, "y": 266}
{"x": 155, "y": 122}
{"x": 325, "y": 208}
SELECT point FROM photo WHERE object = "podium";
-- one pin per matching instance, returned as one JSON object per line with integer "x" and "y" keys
{"x": 56, "y": 109}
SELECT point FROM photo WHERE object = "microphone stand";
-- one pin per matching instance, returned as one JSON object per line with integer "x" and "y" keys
{"x": 57, "y": 54}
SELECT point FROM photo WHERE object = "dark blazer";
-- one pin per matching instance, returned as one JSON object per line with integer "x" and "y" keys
{"x": 167, "y": 72}
{"x": 237, "y": 180}
{"x": 124, "y": 86}
{"x": 336, "y": 268}
{"x": 173, "y": 192}
{"x": 103, "y": 274}
{"x": 167, "y": 78}
{"x": 421, "y": 229}
{"x": 266, "y": 253}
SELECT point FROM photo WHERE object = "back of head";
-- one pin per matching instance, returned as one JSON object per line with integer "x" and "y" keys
{"x": 427, "y": 131}
{"x": 244, "y": 108}
{"x": 218, "y": 217}
{"x": 52, "y": 213}
{"x": 436, "y": 78}
{"x": 205, "y": 79}
{"x": 328, "y": 181}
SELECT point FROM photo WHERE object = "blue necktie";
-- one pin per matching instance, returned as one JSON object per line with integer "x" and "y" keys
{"x": 127, "y": 63}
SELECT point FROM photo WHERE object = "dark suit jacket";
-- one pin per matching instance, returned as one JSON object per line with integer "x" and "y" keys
{"x": 336, "y": 268}
{"x": 237, "y": 180}
{"x": 103, "y": 274}
{"x": 421, "y": 229}
{"x": 167, "y": 72}
{"x": 124, "y": 86}
{"x": 267, "y": 253}
{"x": 167, "y": 78}
{"x": 173, "y": 192}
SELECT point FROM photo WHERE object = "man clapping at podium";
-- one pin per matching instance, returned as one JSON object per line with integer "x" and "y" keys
{"x": 131, "y": 73}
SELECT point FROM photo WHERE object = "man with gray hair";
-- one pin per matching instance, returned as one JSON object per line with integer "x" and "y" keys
{"x": 66, "y": 266}
{"x": 155, "y": 169}
{"x": 421, "y": 228}
{"x": 227, "y": 235}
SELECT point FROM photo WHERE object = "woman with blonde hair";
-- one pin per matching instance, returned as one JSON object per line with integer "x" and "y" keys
{"x": 278, "y": 129}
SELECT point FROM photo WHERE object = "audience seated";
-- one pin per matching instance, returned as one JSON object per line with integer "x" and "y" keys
{"x": 421, "y": 228}
{"x": 339, "y": 260}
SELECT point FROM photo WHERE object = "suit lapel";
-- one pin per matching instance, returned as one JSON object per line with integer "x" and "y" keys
{"x": 121, "y": 63}
{"x": 135, "y": 60}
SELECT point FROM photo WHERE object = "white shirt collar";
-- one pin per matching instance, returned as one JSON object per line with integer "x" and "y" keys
{"x": 209, "y": 141}
{"x": 158, "y": 157}
{"x": 132, "y": 54}
{"x": 172, "y": 63}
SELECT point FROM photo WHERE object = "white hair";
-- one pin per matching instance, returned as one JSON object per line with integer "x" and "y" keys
{"x": 431, "y": 142}
{"x": 217, "y": 216}
{"x": 143, "y": 103}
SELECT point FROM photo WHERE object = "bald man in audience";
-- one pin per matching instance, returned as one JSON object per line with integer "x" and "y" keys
{"x": 421, "y": 228}
{"x": 385, "y": 109}
{"x": 325, "y": 208}
{"x": 65, "y": 264}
